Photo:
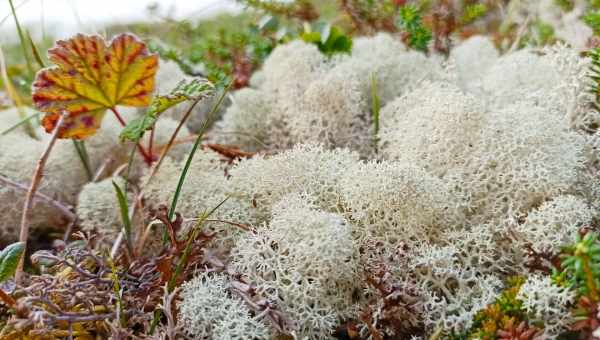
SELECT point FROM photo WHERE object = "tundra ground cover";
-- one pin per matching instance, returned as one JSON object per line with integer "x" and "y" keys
{"x": 409, "y": 171}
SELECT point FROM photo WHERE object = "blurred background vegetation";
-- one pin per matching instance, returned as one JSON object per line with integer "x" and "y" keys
{"x": 234, "y": 45}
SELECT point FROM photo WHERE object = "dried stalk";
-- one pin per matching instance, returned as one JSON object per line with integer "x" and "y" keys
{"x": 35, "y": 183}
{"x": 38, "y": 195}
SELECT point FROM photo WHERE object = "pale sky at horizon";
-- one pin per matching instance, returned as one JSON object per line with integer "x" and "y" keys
{"x": 65, "y": 17}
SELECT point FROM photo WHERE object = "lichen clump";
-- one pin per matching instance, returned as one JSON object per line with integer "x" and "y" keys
{"x": 476, "y": 166}
{"x": 478, "y": 163}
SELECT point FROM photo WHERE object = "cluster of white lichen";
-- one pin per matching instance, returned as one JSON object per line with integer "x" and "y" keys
{"x": 63, "y": 178}
{"x": 211, "y": 311}
{"x": 477, "y": 158}
{"x": 64, "y": 175}
{"x": 305, "y": 262}
{"x": 98, "y": 209}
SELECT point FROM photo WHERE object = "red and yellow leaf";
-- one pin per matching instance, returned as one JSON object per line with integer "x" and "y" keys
{"x": 90, "y": 77}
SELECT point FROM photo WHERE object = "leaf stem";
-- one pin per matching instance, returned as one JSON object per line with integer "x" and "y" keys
{"x": 143, "y": 152}
{"x": 589, "y": 277}
{"x": 151, "y": 140}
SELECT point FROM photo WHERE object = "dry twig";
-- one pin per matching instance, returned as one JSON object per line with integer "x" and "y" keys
{"x": 35, "y": 183}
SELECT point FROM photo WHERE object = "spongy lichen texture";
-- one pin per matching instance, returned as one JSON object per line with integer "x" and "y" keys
{"x": 548, "y": 303}
{"x": 205, "y": 188}
{"x": 304, "y": 97}
{"x": 305, "y": 262}
{"x": 480, "y": 159}
{"x": 98, "y": 208}
{"x": 555, "y": 223}
{"x": 311, "y": 168}
{"x": 210, "y": 311}
{"x": 63, "y": 176}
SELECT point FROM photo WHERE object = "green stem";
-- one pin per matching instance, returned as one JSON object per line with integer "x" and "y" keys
{"x": 205, "y": 125}
{"x": 34, "y": 50}
{"x": 21, "y": 122}
{"x": 22, "y": 39}
{"x": 183, "y": 260}
{"x": 589, "y": 277}
{"x": 375, "y": 109}
{"x": 83, "y": 156}
{"x": 117, "y": 291}
{"x": 188, "y": 163}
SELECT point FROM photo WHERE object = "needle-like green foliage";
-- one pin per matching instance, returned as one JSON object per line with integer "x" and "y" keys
{"x": 592, "y": 19}
{"x": 595, "y": 75}
{"x": 473, "y": 12}
{"x": 410, "y": 22}
{"x": 581, "y": 266}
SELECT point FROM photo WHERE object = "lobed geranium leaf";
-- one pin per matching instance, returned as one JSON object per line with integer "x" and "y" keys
{"x": 9, "y": 259}
{"x": 194, "y": 89}
{"x": 90, "y": 77}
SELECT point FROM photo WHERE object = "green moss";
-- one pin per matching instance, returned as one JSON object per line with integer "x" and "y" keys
{"x": 410, "y": 22}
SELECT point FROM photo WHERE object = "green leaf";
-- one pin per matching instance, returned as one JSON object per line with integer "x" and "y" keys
{"x": 268, "y": 23}
{"x": 311, "y": 37}
{"x": 375, "y": 108}
{"x": 592, "y": 19}
{"x": 473, "y": 12}
{"x": 578, "y": 265}
{"x": 568, "y": 261}
{"x": 194, "y": 89}
{"x": 9, "y": 259}
{"x": 330, "y": 40}
{"x": 124, "y": 208}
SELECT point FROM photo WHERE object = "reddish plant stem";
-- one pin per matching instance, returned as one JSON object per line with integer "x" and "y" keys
{"x": 8, "y": 300}
{"x": 143, "y": 152}
{"x": 151, "y": 141}
{"x": 169, "y": 145}
{"x": 589, "y": 277}
{"x": 35, "y": 183}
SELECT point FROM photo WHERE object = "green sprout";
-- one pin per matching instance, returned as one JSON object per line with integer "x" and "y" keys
{"x": 581, "y": 266}
{"x": 410, "y": 21}
{"x": 473, "y": 12}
